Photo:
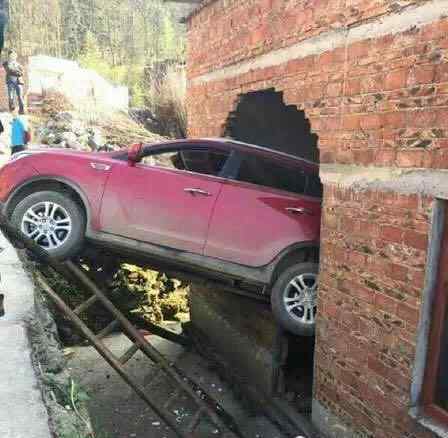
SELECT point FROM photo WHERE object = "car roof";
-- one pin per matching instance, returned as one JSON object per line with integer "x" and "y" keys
{"x": 220, "y": 141}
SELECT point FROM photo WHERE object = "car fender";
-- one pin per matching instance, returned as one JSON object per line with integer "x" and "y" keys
{"x": 51, "y": 178}
{"x": 282, "y": 258}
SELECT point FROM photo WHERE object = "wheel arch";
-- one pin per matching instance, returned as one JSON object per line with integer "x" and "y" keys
{"x": 300, "y": 252}
{"x": 48, "y": 183}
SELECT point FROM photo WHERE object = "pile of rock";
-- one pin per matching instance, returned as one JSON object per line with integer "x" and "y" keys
{"x": 67, "y": 129}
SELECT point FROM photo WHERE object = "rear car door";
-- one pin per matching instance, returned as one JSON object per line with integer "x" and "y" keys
{"x": 165, "y": 199}
{"x": 267, "y": 205}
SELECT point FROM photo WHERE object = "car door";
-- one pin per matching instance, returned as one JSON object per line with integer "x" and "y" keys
{"x": 165, "y": 199}
{"x": 263, "y": 210}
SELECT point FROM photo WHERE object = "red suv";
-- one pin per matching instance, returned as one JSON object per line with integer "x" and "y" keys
{"x": 217, "y": 207}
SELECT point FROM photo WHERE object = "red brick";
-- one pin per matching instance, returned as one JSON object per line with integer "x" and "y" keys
{"x": 441, "y": 117}
{"x": 408, "y": 313}
{"x": 398, "y": 272}
{"x": 395, "y": 119}
{"x": 416, "y": 240}
{"x": 363, "y": 157}
{"x": 410, "y": 158}
{"x": 371, "y": 121}
{"x": 423, "y": 74}
{"x": 351, "y": 121}
{"x": 442, "y": 72}
{"x": 396, "y": 79}
{"x": 390, "y": 374}
{"x": 334, "y": 89}
{"x": 407, "y": 201}
{"x": 385, "y": 157}
{"x": 356, "y": 258}
{"x": 386, "y": 303}
{"x": 392, "y": 234}
{"x": 352, "y": 87}
{"x": 358, "y": 50}
{"x": 422, "y": 118}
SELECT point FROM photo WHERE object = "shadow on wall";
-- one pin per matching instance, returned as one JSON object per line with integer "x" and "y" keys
{"x": 262, "y": 118}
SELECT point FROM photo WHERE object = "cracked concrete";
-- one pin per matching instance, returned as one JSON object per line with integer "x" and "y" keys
{"x": 24, "y": 414}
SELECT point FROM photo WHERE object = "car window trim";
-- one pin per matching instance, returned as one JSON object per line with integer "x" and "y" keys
{"x": 173, "y": 147}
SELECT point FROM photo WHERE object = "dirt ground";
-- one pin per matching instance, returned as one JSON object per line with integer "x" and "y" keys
{"x": 117, "y": 412}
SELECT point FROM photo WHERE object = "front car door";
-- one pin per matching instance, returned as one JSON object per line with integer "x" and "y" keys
{"x": 165, "y": 199}
{"x": 266, "y": 205}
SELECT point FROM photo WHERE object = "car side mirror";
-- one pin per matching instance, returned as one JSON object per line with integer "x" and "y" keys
{"x": 135, "y": 153}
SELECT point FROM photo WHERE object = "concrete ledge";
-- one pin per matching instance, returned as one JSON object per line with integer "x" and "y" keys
{"x": 429, "y": 182}
{"x": 20, "y": 395}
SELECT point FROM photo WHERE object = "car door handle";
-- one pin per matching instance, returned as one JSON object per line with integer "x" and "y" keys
{"x": 194, "y": 191}
{"x": 299, "y": 210}
{"x": 100, "y": 166}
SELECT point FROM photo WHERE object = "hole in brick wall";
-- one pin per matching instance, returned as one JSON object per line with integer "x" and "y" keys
{"x": 262, "y": 118}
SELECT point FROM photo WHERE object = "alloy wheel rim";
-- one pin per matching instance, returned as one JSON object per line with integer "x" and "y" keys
{"x": 300, "y": 298}
{"x": 48, "y": 224}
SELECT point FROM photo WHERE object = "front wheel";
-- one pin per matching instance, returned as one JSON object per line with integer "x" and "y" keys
{"x": 53, "y": 220}
{"x": 294, "y": 298}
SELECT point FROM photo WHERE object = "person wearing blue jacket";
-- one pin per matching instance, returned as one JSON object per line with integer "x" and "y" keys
{"x": 19, "y": 133}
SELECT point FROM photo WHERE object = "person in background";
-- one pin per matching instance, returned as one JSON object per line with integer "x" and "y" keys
{"x": 3, "y": 23}
{"x": 14, "y": 81}
{"x": 19, "y": 133}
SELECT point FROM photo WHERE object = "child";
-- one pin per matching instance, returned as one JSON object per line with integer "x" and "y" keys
{"x": 19, "y": 133}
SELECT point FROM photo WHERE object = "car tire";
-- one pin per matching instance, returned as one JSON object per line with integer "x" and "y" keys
{"x": 62, "y": 234}
{"x": 294, "y": 305}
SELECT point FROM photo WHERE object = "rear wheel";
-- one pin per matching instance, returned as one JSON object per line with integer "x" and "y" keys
{"x": 294, "y": 298}
{"x": 53, "y": 220}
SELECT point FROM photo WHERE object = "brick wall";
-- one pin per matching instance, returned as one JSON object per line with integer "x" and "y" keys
{"x": 372, "y": 77}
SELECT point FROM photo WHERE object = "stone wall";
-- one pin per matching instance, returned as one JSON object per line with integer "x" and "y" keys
{"x": 372, "y": 77}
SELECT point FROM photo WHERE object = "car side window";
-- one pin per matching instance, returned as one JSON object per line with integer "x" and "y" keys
{"x": 205, "y": 161}
{"x": 314, "y": 187}
{"x": 273, "y": 173}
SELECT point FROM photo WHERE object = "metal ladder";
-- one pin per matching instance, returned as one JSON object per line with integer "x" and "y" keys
{"x": 208, "y": 413}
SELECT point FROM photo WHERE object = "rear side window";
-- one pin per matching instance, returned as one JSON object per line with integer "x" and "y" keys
{"x": 261, "y": 171}
{"x": 204, "y": 161}
{"x": 314, "y": 186}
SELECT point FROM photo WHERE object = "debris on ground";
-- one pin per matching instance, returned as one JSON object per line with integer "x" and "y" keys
{"x": 68, "y": 129}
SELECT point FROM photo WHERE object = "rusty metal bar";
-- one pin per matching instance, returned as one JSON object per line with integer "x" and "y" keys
{"x": 195, "y": 421}
{"x": 106, "y": 353}
{"x": 108, "y": 329}
{"x": 163, "y": 333}
{"x": 173, "y": 397}
{"x": 126, "y": 357}
{"x": 85, "y": 305}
